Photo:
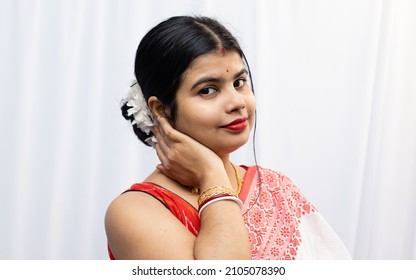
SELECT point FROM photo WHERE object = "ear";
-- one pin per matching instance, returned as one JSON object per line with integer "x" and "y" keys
{"x": 157, "y": 108}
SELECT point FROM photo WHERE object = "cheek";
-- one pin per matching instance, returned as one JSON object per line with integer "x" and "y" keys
{"x": 189, "y": 118}
{"x": 195, "y": 128}
{"x": 251, "y": 104}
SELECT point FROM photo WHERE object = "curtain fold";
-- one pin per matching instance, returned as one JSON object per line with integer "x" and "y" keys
{"x": 387, "y": 225}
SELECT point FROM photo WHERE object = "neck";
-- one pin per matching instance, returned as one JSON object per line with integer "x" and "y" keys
{"x": 233, "y": 174}
{"x": 228, "y": 167}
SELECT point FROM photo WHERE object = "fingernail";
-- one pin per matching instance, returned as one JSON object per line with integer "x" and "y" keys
{"x": 151, "y": 141}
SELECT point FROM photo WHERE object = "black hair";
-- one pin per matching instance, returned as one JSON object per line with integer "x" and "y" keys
{"x": 168, "y": 49}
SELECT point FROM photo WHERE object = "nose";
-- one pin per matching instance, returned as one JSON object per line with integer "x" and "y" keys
{"x": 235, "y": 100}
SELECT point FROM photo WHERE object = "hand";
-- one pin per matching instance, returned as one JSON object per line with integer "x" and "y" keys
{"x": 182, "y": 158}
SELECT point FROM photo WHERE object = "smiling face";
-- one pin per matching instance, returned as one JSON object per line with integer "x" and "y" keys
{"x": 215, "y": 104}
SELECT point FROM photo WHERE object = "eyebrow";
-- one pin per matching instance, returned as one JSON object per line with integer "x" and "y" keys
{"x": 217, "y": 80}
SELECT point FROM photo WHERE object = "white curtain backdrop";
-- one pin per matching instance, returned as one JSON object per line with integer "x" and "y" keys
{"x": 335, "y": 82}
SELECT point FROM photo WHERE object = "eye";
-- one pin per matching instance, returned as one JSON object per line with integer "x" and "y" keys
{"x": 239, "y": 83}
{"x": 207, "y": 91}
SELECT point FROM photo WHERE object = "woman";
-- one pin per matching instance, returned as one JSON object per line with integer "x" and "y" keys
{"x": 193, "y": 102}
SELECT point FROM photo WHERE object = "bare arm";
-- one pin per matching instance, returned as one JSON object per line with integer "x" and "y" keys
{"x": 139, "y": 226}
{"x": 223, "y": 234}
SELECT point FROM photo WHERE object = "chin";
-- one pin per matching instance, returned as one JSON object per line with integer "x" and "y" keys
{"x": 229, "y": 148}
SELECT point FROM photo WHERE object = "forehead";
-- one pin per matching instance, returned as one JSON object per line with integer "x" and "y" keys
{"x": 214, "y": 64}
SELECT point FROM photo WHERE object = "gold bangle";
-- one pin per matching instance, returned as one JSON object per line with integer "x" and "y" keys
{"x": 215, "y": 191}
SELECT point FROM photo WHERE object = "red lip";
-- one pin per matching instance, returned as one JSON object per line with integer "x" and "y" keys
{"x": 237, "y": 124}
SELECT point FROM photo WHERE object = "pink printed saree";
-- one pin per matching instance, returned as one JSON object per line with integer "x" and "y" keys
{"x": 281, "y": 223}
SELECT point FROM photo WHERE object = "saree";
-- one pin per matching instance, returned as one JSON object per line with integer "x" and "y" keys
{"x": 281, "y": 223}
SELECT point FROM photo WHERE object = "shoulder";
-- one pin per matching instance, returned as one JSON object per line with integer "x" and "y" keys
{"x": 126, "y": 222}
{"x": 135, "y": 198}
{"x": 283, "y": 189}
{"x": 136, "y": 223}
{"x": 270, "y": 176}
{"x": 129, "y": 208}
{"x": 137, "y": 202}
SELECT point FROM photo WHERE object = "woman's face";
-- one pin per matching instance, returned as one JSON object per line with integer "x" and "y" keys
{"x": 215, "y": 104}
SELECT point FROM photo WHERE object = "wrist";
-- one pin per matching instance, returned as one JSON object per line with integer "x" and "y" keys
{"x": 215, "y": 194}
{"x": 214, "y": 175}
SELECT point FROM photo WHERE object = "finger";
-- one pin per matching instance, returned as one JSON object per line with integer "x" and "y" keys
{"x": 155, "y": 131}
{"x": 160, "y": 134}
{"x": 165, "y": 165}
{"x": 162, "y": 140}
{"x": 160, "y": 154}
{"x": 162, "y": 169}
{"x": 160, "y": 144}
{"x": 167, "y": 131}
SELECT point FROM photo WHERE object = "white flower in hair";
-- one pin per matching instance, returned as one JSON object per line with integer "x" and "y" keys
{"x": 143, "y": 118}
